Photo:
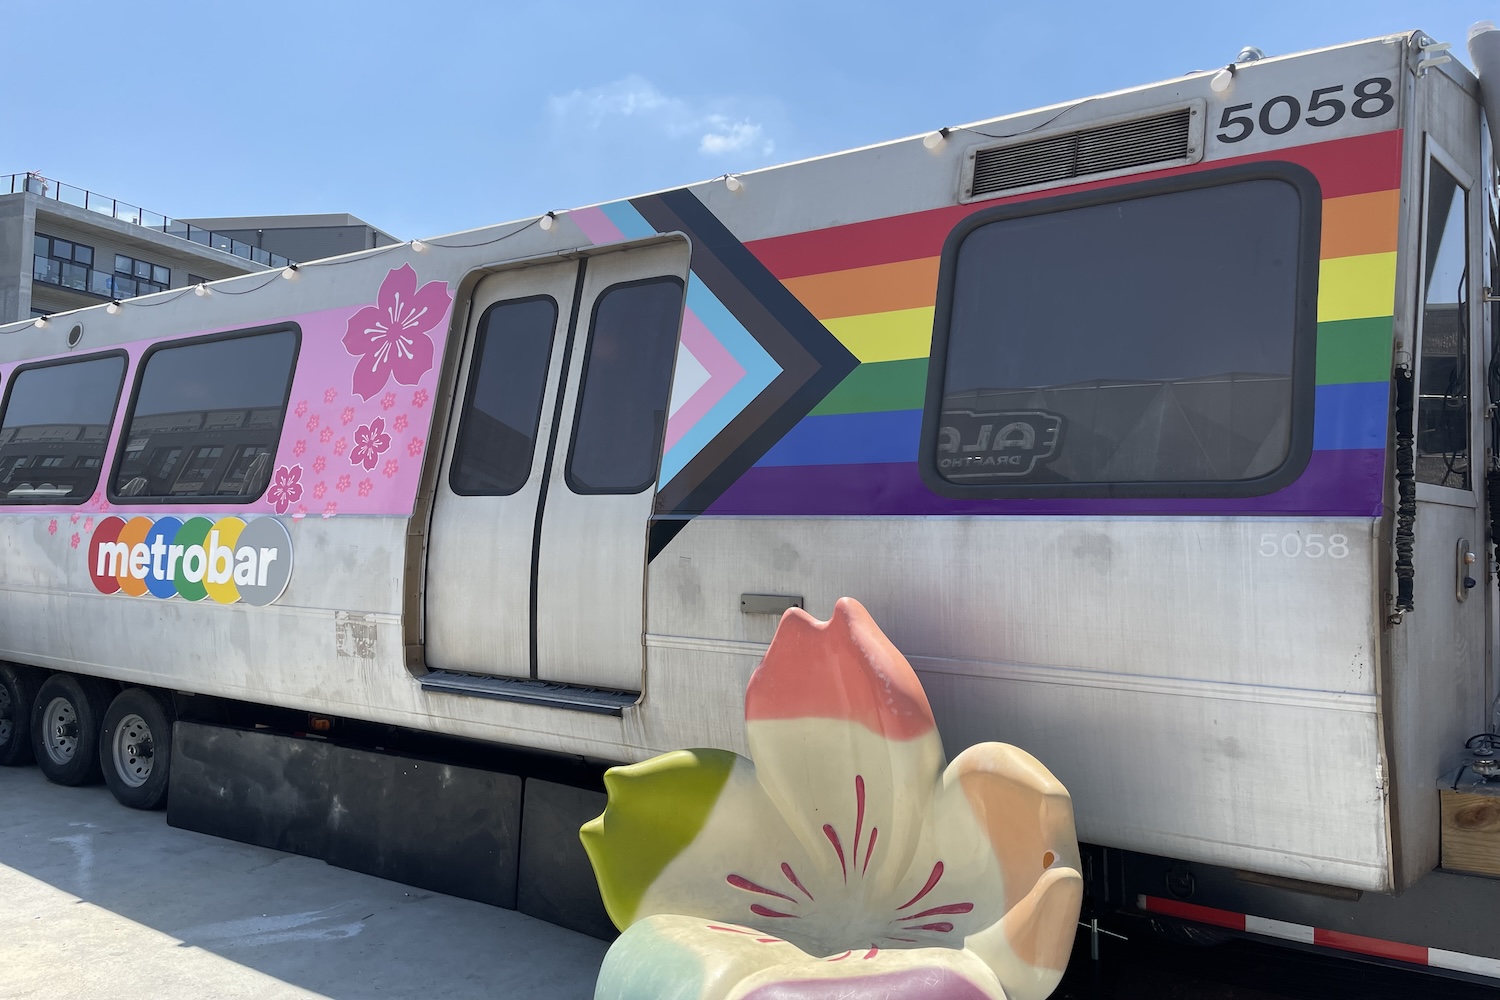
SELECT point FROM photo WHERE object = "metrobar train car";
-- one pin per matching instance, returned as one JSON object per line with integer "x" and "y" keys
{"x": 1153, "y": 427}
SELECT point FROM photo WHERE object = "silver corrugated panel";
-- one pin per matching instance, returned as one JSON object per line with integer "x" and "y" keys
{"x": 1119, "y": 146}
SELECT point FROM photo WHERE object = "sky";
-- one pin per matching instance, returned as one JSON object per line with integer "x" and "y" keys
{"x": 430, "y": 117}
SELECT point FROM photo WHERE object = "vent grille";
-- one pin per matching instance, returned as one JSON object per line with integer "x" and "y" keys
{"x": 1120, "y": 146}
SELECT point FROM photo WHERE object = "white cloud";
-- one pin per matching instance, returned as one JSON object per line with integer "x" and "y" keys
{"x": 635, "y": 105}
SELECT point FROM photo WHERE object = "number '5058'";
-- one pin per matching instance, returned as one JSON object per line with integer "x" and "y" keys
{"x": 1370, "y": 99}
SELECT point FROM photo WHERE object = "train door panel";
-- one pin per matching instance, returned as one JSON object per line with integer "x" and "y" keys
{"x": 479, "y": 578}
{"x": 591, "y": 575}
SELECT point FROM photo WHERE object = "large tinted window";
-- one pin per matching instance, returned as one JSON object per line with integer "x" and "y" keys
{"x": 1123, "y": 345}
{"x": 207, "y": 418}
{"x": 1443, "y": 410}
{"x": 55, "y": 429}
{"x": 627, "y": 382}
{"x": 503, "y": 407}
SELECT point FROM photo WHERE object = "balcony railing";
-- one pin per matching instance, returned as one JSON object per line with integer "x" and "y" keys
{"x": 110, "y": 207}
{"x": 66, "y": 274}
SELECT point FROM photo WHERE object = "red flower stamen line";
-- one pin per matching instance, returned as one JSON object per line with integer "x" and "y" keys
{"x": 907, "y": 940}
{"x": 768, "y": 940}
{"x": 732, "y": 930}
{"x": 936, "y": 910}
{"x": 932, "y": 880}
{"x": 766, "y": 911}
{"x": 859, "y": 815}
{"x": 840, "y": 958}
{"x": 741, "y": 882}
{"x": 870, "y": 849}
{"x": 838, "y": 848}
{"x": 791, "y": 877}
{"x": 871, "y": 953}
{"x": 942, "y": 927}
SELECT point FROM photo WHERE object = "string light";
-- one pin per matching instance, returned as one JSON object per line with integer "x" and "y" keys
{"x": 733, "y": 182}
{"x": 547, "y": 221}
{"x": 41, "y": 323}
{"x": 113, "y": 307}
{"x": 200, "y": 289}
{"x": 290, "y": 274}
{"x": 934, "y": 140}
{"x": 1223, "y": 79}
{"x": 417, "y": 246}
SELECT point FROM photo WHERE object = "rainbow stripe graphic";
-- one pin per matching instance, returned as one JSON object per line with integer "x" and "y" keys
{"x": 873, "y": 287}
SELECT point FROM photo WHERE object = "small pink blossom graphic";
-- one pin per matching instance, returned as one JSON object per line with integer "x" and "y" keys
{"x": 73, "y": 519}
{"x": 390, "y": 468}
{"x": 419, "y": 398}
{"x": 88, "y": 524}
{"x": 319, "y": 489}
{"x": 370, "y": 440}
{"x": 331, "y": 509}
{"x": 342, "y": 484}
{"x": 390, "y": 338}
{"x": 325, "y": 435}
{"x": 387, "y": 401}
{"x": 301, "y": 409}
{"x": 339, "y": 446}
{"x": 52, "y": 526}
{"x": 414, "y": 447}
{"x": 75, "y": 539}
{"x": 301, "y": 512}
{"x": 399, "y": 423}
{"x": 365, "y": 486}
{"x": 313, "y": 421}
{"x": 329, "y": 395}
{"x": 299, "y": 447}
{"x": 286, "y": 488}
{"x": 319, "y": 464}
{"x": 347, "y": 415}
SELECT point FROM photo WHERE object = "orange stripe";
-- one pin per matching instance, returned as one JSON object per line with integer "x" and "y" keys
{"x": 859, "y": 291}
{"x": 1360, "y": 224}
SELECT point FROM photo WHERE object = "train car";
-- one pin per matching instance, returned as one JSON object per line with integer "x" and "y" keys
{"x": 1153, "y": 427}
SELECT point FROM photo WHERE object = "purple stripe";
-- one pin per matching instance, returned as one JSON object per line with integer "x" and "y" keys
{"x": 1335, "y": 483}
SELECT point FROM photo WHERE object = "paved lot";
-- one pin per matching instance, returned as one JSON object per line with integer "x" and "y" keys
{"x": 99, "y": 901}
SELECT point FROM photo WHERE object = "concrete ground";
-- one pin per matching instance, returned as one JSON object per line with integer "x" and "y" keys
{"x": 100, "y": 901}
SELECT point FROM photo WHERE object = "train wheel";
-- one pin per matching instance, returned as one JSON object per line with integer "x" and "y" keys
{"x": 65, "y": 728}
{"x": 135, "y": 749}
{"x": 17, "y": 692}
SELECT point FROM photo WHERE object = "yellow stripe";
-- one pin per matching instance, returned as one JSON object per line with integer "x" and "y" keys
{"x": 885, "y": 336}
{"x": 1357, "y": 287}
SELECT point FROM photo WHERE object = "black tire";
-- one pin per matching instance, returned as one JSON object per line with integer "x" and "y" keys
{"x": 65, "y": 720}
{"x": 17, "y": 694}
{"x": 137, "y": 775}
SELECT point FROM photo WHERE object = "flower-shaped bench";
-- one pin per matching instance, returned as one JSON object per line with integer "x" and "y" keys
{"x": 845, "y": 861}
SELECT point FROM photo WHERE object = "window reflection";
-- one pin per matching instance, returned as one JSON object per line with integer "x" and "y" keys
{"x": 1443, "y": 372}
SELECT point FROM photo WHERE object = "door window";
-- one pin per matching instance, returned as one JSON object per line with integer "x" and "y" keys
{"x": 1443, "y": 402}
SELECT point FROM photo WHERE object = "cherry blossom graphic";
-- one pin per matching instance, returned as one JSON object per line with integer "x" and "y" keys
{"x": 319, "y": 464}
{"x": 301, "y": 512}
{"x": 331, "y": 509}
{"x": 419, "y": 398}
{"x": 88, "y": 524}
{"x": 342, "y": 484}
{"x": 390, "y": 468}
{"x": 387, "y": 401}
{"x": 414, "y": 447}
{"x": 286, "y": 488}
{"x": 313, "y": 421}
{"x": 325, "y": 435}
{"x": 301, "y": 409}
{"x": 399, "y": 423}
{"x": 299, "y": 447}
{"x": 319, "y": 489}
{"x": 75, "y": 539}
{"x": 73, "y": 519}
{"x": 52, "y": 526}
{"x": 390, "y": 338}
{"x": 370, "y": 440}
{"x": 339, "y": 446}
{"x": 329, "y": 395}
{"x": 347, "y": 416}
{"x": 365, "y": 486}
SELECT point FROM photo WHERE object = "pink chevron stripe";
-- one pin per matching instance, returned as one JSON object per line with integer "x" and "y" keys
{"x": 723, "y": 373}
{"x": 596, "y": 225}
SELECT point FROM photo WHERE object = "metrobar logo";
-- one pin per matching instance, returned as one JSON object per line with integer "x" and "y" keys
{"x": 229, "y": 560}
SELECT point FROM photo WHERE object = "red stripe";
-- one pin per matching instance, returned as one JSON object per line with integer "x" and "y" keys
{"x": 1192, "y": 911}
{"x": 1357, "y": 165}
{"x": 1415, "y": 954}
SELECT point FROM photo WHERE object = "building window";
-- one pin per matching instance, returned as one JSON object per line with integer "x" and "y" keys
{"x": 206, "y": 418}
{"x": 138, "y": 277}
{"x": 1153, "y": 340}
{"x": 56, "y": 427}
{"x": 61, "y": 262}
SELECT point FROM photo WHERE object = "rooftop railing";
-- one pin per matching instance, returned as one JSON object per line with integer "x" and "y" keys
{"x": 112, "y": 208}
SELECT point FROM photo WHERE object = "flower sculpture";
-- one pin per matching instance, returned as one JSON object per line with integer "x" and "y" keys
{"x": 845, "y": 860}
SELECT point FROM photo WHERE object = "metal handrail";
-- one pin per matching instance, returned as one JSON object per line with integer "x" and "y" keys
{"x": 113, "y": 208}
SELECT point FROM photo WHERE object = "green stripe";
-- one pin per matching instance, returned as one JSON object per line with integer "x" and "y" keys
{"x": 1354, "y": 350}
{"x": 879, "y": 385}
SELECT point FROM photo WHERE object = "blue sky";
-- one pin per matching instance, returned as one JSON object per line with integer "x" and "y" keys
{"x": 430, "y": 117}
